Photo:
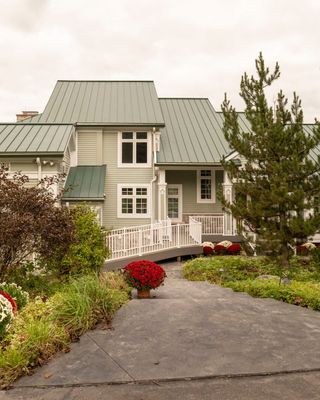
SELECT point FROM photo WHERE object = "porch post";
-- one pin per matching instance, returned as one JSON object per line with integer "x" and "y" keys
{"x": 228, "y": 221}
{"x": 162, "y": 195}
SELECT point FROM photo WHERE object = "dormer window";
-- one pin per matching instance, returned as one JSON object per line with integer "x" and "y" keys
{"x": 134, "y": 149}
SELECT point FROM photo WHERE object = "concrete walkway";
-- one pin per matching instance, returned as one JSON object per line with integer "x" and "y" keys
{"x": 190, "y": 330}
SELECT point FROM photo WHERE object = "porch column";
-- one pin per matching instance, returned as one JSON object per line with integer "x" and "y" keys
{"x": 162, "y": 195}
{"x": 228, "y": 222}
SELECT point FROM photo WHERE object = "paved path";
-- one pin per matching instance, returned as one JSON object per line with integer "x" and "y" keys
{"x": 190, "y": 330}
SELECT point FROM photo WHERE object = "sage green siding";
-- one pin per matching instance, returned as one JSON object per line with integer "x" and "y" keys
{"x": 116, "y": 175}
{"x": 188, "y": 179}
{"x": 87, "y": 147}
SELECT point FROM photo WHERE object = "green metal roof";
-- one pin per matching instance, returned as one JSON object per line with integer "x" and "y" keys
{"x": 86, "y": 183}
{"x": 192, "y": 132}
{"x": 34, "y": 138}
{"x": 112, "y": 103}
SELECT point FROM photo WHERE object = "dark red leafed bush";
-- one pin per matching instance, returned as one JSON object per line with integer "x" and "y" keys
{"x": 11, "y": 300}
{"x": 207, "y": 250}
{"x": 144, "y": 275}
{"x": 220, "y": 249}
{"x": 234, "y": 249}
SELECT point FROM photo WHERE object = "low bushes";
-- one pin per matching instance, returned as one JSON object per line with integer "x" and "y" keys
{"x": 241, "y": 274}
{"x": 44, "y": 327}
{"x": 305, "y": 294}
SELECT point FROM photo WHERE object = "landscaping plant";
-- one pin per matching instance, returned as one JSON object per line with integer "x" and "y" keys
{"x": 30, "y": 221}
{"x": 279, "y": 179}
{"x": 144, "y": 275}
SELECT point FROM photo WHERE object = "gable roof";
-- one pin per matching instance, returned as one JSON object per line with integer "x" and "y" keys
{"x": 112, "y": 103}
{"x": 192, "y": 132}
{"x": 86, "y": 182}
{"x": 28, "y": 139}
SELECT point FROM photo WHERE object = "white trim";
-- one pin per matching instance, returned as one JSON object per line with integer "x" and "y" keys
{"x": 134, "y": 141}
{"x": 232, "y": 156}
{"x": 180, "y": 197}
{"x": 213, "y": 186}
{"x": 134, "y": 196}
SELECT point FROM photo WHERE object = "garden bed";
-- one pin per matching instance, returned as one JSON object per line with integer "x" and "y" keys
{"x": 45, "y": 326}
{"x": 260, "y": 277}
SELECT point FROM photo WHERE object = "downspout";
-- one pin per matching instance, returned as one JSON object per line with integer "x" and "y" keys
{"x": 154, "y": 177}
{"x": 38, "y": 162}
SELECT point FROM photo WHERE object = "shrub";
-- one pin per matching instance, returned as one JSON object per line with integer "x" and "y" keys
{"x": 304, "y": 294}
{"x": 20, "y": 296}
{"x": 88, "y": 252}
{"x": 218, "y": 269}
{"x": 144, "y": 275}
{"x": 7, "y": 309}
{"x": 30, "y": 222}
{"x": 84, "y": 302}
{"x": 45, "y": 327}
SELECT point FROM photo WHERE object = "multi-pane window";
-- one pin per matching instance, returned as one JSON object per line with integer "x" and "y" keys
{"x": 133, "y": 201}
{"x": 134, "y": 148}
{"x": 205, "y": 186}
{"x": 173, "y": 202}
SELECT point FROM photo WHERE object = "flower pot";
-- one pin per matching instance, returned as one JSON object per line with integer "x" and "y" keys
{"x": 144, "y": 294}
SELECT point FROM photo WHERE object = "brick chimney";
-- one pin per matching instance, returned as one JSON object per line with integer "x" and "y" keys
{"x": 26, "y": 114}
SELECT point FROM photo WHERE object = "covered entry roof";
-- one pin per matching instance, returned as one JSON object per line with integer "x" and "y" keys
{"x": 86, "y": 183}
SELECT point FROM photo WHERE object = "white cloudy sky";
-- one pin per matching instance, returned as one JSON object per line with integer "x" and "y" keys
{"x": 188, "y": 47}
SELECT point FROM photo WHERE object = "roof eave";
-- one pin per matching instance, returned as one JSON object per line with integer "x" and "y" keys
{"x": 82, "y": 198}
{"x": 118, "y": 124}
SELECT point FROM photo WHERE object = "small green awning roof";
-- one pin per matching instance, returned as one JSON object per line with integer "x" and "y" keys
{"x": 86, "y": 182}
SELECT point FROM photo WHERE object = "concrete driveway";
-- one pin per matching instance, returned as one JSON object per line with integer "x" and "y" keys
{"x": 190, "y": 330}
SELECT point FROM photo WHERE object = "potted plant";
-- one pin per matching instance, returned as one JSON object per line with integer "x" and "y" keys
{"x": 144, "y": 275}
{"x": 207, "y": 248}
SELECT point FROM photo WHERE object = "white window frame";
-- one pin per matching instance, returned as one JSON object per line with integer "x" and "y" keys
{"x": 179, "y": 197}
{"x": 213, "y": 186}
{"x": 134, "y": 196}
{"x": 134, "y": 164}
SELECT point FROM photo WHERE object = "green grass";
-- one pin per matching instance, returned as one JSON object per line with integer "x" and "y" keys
{"x": 241, "y": 273}
{"x": 44, "y": 327}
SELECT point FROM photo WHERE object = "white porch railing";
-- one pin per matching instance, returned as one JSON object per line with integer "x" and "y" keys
{"x": 211, "y": 224}
{"x": 144, "y": 239}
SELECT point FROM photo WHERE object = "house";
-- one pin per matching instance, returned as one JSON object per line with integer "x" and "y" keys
{"x": 136, "y": 158}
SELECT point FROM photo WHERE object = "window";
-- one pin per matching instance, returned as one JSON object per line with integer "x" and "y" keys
{"x": 206, "y": 186}
{"x": 174, "y": 195}
{"x": 133, "y": 201}
{"x": 134, "y": 149}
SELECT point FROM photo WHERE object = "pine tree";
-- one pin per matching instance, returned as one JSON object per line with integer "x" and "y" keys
{"x": 278, "y": 183}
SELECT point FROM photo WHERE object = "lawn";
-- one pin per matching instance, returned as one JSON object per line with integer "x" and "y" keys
{"x": 260, "y": 277}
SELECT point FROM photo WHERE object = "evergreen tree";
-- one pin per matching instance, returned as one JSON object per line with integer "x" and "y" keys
{"x": 278, "y": 183}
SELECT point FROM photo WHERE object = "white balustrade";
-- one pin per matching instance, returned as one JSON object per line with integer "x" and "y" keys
{"x": 144, "y": 239}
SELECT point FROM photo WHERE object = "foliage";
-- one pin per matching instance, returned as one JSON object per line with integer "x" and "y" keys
{"x": 44, "y": 327}
{"x": 30, "y": 222}
{"x": 36, "y": 280}
{"x": 144, "y": 275}
{"x": 7, "y": 306}
{"x": 19, "y": 296}
{"x": 219, "y": 269}
{"x": 241, "y": 273}
{"x": 88, "y": 251}
{"x": 85, "y": 301}
{"x": 279, "y": 179}
{"x": 305, "y": 294}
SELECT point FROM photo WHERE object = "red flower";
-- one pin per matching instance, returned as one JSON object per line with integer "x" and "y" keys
{"x": 234, "y": 248}
{"x": 11, "y": 300}
{"x": 144, "y": 274}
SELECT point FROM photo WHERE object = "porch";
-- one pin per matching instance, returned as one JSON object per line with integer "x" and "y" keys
{"x": 164, "y": 239}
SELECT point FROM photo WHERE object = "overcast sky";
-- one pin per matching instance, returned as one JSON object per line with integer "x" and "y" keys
{"x": 188, "y": 47}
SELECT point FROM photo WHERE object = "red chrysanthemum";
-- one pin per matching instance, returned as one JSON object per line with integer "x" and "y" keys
{"x": 10, "y": 299}
{"x": 144, "y": 274}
